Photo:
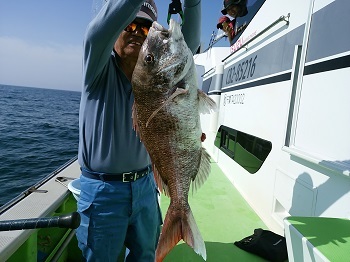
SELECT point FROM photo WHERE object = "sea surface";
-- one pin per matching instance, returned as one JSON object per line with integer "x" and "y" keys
{"x": 38, "y": 134}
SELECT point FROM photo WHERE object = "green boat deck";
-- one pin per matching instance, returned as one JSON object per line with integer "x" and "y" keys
{"x": 330, "y": 236}
{"x": 222, "y": 216}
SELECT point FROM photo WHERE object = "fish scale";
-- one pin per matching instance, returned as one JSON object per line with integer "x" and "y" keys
{"x": 166, "y": 116}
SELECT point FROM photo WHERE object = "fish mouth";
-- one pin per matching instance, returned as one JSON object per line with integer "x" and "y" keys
{"x": 158, "y": 28}
{"x": 174, "y": 28}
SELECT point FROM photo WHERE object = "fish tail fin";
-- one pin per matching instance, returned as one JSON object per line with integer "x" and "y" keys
{"x": 192, "y": 236}
{"x": 179, "y": 225}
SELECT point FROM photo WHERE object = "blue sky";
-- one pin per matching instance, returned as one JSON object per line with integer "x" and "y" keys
{"x": 41, "y": 40}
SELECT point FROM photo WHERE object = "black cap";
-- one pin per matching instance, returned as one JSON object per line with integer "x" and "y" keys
{"x": 241, "y": 3}
{"x": 148, "y": 11}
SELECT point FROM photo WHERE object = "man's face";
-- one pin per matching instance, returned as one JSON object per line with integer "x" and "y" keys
{"x": 233, "y": 10}
{"x": 130, "y": 40}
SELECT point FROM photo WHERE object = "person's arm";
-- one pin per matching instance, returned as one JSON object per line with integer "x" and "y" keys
{"x": 229, "y": 30}
{"x": 192, "y": 26}
{"x": 102, "y": 32}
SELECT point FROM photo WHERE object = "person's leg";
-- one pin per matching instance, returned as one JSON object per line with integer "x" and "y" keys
{"x": 144, "y": 229}
{"x": 104, "y": 209}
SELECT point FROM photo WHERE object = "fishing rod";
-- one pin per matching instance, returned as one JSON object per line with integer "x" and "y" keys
{"x": 64, "y": 221}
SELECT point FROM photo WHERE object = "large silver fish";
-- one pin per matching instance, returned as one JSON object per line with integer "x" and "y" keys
{"x": 166, "y": 115}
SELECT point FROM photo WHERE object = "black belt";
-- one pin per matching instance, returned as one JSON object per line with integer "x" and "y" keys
{"x": 123, "y": 177}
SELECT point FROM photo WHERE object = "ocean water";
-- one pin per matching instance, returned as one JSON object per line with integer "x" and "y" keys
{"x": 38, "y": 134}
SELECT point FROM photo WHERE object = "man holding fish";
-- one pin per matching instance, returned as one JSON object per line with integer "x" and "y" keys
{"x": 119, "y": 198}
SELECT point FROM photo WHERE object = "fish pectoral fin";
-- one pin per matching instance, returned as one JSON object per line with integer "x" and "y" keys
{"x": 206, "y": 104}
{"x": 178, "y": 91}
{"x": 135, "y": 125}
{"x": 203, "y": 171}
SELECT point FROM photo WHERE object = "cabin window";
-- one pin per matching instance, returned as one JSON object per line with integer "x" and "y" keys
{"x": 206, "y": 85}
{"x": 248, "y": 151}
{"x": 241, "y": 23}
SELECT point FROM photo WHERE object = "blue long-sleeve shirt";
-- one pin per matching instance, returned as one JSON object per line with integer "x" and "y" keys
{"x": 107, "y": 142}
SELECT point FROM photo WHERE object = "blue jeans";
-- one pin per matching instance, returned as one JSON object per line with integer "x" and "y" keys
{"x": 114, "y": 214}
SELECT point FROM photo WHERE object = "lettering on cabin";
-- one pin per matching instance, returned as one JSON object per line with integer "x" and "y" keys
{"x": 234, "y": 99}
{"x": 241, "y": 71}
{"x": 241, "y": 41}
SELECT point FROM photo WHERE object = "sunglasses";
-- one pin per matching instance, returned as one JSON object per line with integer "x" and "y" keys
{"x": 132, "y": 27}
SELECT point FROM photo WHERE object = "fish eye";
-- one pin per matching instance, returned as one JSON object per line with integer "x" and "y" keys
{"x": 149, "y": 59}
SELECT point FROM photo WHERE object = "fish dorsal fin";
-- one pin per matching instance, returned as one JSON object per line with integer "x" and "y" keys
{"x": 206, "y": 104}
{"x": 203, "y": 171}
{"x": 178, "y": 91}
{"x": 162, "y": 186}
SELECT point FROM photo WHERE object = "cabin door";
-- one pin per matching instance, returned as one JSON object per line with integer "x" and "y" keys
{"x": 321, "y": 118}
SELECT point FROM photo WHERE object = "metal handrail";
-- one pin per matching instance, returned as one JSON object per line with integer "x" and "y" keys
{"x": 280, "y": 19}
{"x": 208, "y": 71}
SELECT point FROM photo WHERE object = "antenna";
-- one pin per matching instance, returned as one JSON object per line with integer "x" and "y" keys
{"x": 212, "y": 39}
